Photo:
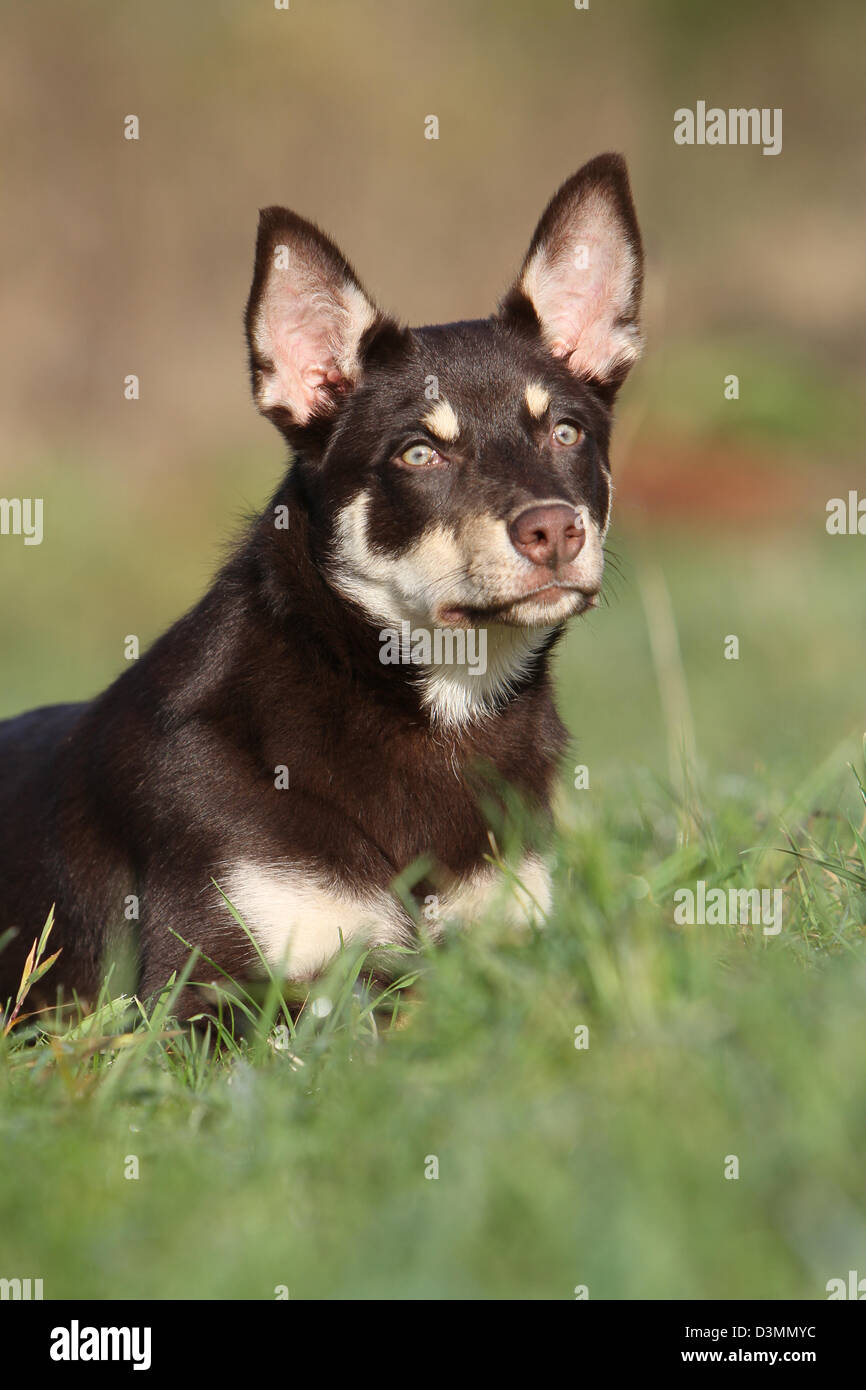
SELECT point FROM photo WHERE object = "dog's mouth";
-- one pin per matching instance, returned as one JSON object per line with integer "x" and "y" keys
{"x": 553, "y": 601}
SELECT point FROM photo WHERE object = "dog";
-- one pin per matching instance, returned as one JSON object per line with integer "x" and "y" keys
{"x": 263, "y": 760}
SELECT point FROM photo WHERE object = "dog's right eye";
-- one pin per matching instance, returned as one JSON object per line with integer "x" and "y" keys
{"x": 420, "y": 456}
{"x": 566, "y": 433}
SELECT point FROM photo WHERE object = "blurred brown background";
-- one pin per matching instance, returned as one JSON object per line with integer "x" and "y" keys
{"x": 126, "y": 256}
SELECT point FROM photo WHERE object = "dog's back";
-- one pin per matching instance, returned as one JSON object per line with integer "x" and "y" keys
{"x": 31, "y": 786}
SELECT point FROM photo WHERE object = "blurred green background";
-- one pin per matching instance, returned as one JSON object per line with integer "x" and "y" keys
{"x": 135, "y": 257}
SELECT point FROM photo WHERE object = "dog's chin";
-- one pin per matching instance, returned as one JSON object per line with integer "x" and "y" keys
{"x": 545, "y": 608}
{"x": 548, "y": 609}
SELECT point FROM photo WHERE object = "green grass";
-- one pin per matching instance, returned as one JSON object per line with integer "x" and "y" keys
{"x": 303, "y": 1164}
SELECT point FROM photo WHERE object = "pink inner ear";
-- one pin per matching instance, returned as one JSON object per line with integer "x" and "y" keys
{"x": 310, "y": 330}
{"x": 580, "y": 290}
{"x": 295, "y": 333}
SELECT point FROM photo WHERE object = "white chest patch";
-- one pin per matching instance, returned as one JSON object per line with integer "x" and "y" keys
{"x": 299, "y": 920}
{"x": 520, "y": 900}
{"x": 456, "y": 695}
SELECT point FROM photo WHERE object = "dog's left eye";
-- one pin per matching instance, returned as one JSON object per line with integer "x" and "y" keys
{"x": 567, "y": 433}
{"x": 420, "y": 456}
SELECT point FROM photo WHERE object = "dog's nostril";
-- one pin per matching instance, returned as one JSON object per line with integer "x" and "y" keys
{"x": 548, "y": 535}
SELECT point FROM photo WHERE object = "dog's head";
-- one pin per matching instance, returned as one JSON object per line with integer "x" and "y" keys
{"x": 457, "y": 475}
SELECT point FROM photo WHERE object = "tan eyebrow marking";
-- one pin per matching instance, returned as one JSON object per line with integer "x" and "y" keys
{"x": 442, "y": 422}
{"x": 537, "y": 398}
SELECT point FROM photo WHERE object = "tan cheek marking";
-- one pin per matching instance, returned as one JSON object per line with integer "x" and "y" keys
{"x": 538, "y": 399}
{"x": 442, "y": 422}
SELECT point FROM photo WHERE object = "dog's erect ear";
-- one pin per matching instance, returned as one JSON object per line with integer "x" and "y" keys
{"x": 307, "y": 317}
{"x": 581, "y": 281}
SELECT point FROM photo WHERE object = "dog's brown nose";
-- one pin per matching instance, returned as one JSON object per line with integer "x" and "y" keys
{"x": 549, "y": 535}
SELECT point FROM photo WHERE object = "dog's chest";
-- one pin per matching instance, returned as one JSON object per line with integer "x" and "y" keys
{"x": 365, "y": 796}
{"x": 361, "y": 803}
